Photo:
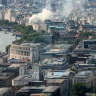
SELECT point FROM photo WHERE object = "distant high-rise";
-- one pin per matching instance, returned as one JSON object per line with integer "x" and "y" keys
{"x": 0, "y": 1}
{"x": 3, "y": 2}
{"x": 54, "y": 5}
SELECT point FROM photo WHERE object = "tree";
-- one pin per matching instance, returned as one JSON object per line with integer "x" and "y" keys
{"x": 76, "y": 41}
{"x": 78, "y": 89}
{"x": 94, "y": 89}
{"x": 27, "y": 32}
{"x": 7, "y": 48}
{"x": 85, "y": 34}
{"x": 65, "y": 38}
{"x": 55, "y": 36}
{"x": 29, "y": 29}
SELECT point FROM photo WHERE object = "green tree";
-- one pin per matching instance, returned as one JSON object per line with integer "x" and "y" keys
{"x": 7, "y": 47}
{"x": 27, "y": 32}
{"x": 85, "y": 34}
{"x": 55, "y": 36}
{"x": 76, "y": 41}
{"x": 29, "y": 29}
{"x": 78, "y": 89}
{"x": 94, "y": 89}
{"x": 65, "y": 38}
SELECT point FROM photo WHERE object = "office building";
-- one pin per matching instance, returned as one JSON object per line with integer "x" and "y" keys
{"x": 28, "y": 51}
{"x": 85, "y": 77}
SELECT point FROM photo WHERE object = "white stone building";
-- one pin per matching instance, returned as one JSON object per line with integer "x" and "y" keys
{"x": 27, "y": 73}
{"x": 31, "y": 70}
{"x": 28, "y": 51}
{"x": 85, "y": 77}
{"x": 2, "y": 13}
{"x": 21, "y": 80}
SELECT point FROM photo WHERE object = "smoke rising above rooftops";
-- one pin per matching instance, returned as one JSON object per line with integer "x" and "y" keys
{"x": 58, "y": 9}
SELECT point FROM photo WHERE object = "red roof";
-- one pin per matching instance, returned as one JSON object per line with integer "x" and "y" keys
{"x": 76, "y": 35}
{"x": 35, "y": 95}
{"x": 23, "y": 61}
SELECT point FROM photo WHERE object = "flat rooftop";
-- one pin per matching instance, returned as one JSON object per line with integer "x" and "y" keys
{"x": 60, "y": 48}
{"x": 19, "y": 78}
{"x": 50, "y": 89}
{"x": 84, "y": 73}
{"x": 3, "y": 90}
{"x": 5, "y": 75}
{"x": 59, "y": 81}
{"x": 43, "y": 88}
{"x": 57, "y": 74}
{"x": 53, "y": 61}
{"x": 27, "y": 45}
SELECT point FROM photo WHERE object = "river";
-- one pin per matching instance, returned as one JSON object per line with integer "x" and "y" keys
{"x": 6, "y": 39}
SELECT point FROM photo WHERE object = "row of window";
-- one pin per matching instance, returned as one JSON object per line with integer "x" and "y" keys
{"x": 21, "y": 48}
{"x": 16, "y": 57}
{"x": 23, "y": 53}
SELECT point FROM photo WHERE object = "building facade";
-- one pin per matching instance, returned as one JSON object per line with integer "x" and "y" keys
{"x": 5, "y": 91}
{"x": 85, "y": 77}
{"x": 28, "y": 51}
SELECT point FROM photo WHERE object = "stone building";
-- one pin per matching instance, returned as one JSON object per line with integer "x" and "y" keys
{"x": 5, "y": 91}
{"x": 85, "y": 77}
{"x": 28, "y": 51}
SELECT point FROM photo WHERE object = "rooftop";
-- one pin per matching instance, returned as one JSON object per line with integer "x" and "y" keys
{"x": 19, "y": 77}
{"x": 43, "y": 88}
{"x": 84, "y": 73}
{"x": 57, "y": 27}
{"x": 31, "y": 44}
{"x": 3, "y": 90}
{"x": 55, "y": 81}
{"x": 26, "y": 77}
{"x": 35, "y": 94}
{"x": 93, "y": 56}
{"x": 5, "y": 75}
{"x": 50, "y": 89}
{"x": 27, "y": 44}
{"x": 57, "y": 48}
{"x": 57, "y": 74}
{"x": 53, "y": 61}
{"x": 14, "y": 66}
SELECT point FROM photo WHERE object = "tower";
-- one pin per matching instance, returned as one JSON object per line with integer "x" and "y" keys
{"x": 3, "y": 2}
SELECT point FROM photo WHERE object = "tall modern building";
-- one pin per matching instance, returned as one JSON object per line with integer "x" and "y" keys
{"x": 3, "y": 2}
{"x": 0, "y": 1}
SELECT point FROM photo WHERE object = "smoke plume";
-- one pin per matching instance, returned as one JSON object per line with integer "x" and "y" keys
{"x": 45, "y": 14}
{"x": 71, "y": 6}
{"x": 58, "y": 8}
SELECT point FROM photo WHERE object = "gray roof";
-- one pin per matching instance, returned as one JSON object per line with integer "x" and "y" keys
{"x": 84, "y": 73}
{"x": 3, "y": 90}
{"x": 48, "y": 89}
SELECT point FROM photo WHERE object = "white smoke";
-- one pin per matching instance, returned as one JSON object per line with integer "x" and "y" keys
{"x": 70, "y": 6}
{"x": 45, "y": 14}
{"x": 64, "y": 8}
